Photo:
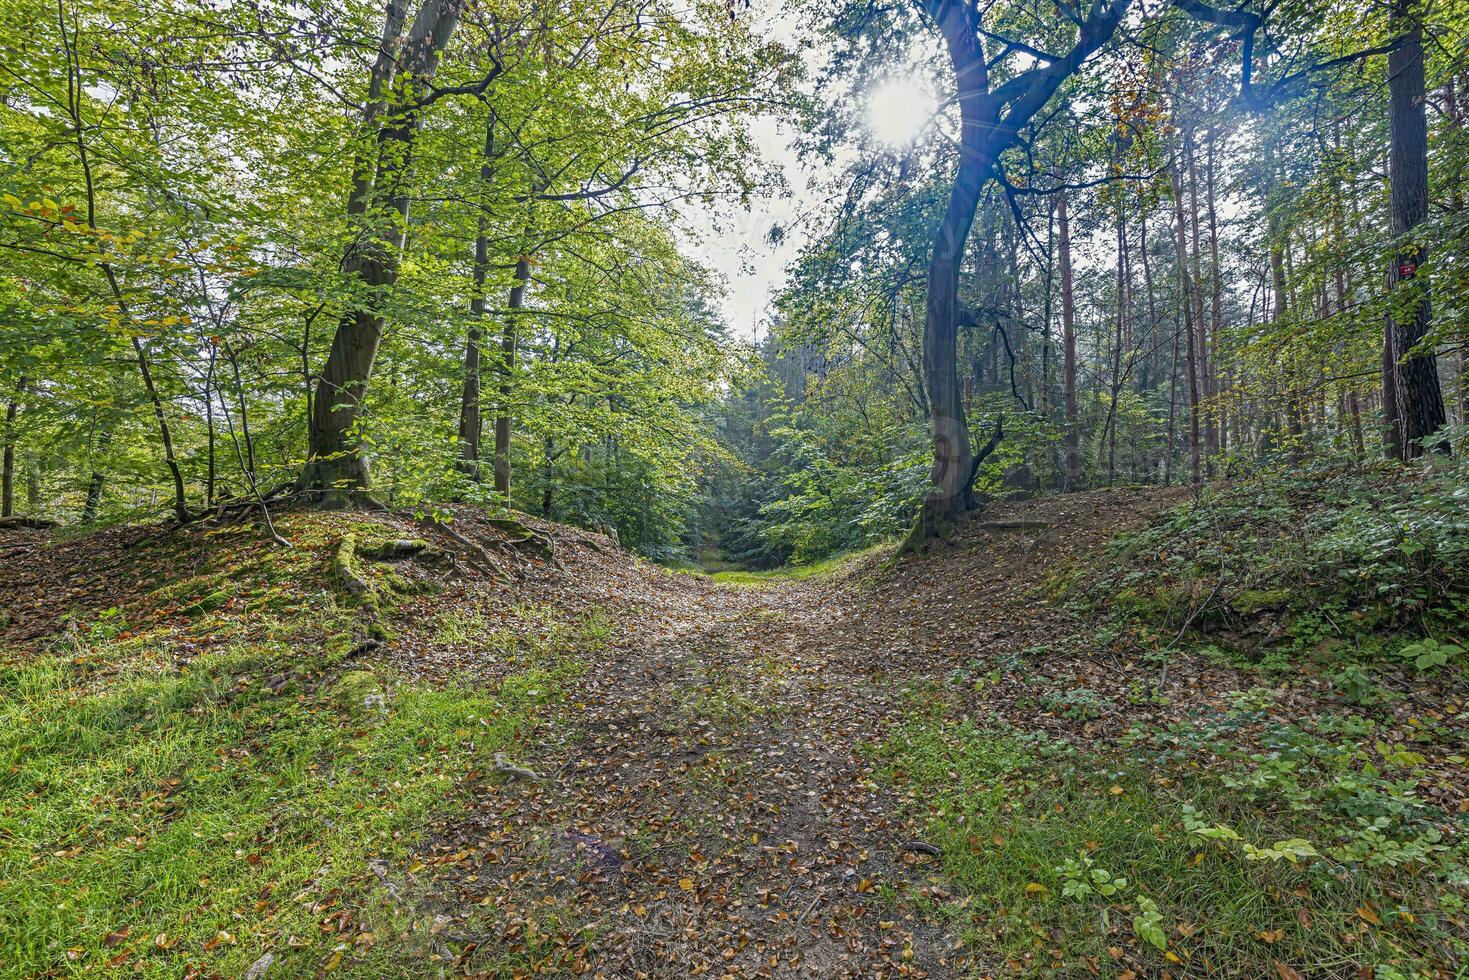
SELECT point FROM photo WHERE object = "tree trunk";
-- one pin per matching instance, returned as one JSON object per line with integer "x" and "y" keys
{"x": 508, "y": 340}
{"x": 378, "y": 211}
{"x": 1119, "y": 341}
{"x": 1216, "y": 304}
{"x": 97, "y": 481}
{"x": 1206, "y": 377}
{"x": 469, "y": 408}
{"x": 548, "y": 489}
{"x": 1187, "y": 298}
{"x": 951, "y": 479}
{"x": 7, "y": 467}
{"x": 1068, "y": 349}
{"x": 989, "y": 124}
{"x": 1414, "y": 372}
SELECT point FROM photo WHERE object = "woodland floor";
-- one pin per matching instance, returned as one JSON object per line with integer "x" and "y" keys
{"x": 710, "y": 798}
{"x": 711, "y": 789}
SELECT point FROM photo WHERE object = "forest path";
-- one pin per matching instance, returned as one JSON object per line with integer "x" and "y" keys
{"x": 710, "y": 802}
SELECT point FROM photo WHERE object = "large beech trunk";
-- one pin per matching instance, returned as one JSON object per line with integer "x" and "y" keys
{"x": 1415, "y": 406}
{"x": 337, "y": 469}
{"x": 951, "y": 492}
{"x": 990, "y": 122}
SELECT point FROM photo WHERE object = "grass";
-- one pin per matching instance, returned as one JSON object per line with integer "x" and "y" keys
{"x": 825, "y": 568}
{"x": 1019, "y": 816}
{"x": 184, "y": 818}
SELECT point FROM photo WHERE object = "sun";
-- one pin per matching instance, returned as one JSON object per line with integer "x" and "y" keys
{"x": 898, "y": 110}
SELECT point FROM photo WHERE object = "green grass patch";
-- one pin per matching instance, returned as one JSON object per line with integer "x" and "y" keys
{"x": 1072, "y": 861}
{"x": 165, "y": 818}
{"x": 825, "y": 568}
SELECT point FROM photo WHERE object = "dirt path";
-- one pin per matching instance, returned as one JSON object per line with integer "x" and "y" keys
{"x": 708, "y": 802}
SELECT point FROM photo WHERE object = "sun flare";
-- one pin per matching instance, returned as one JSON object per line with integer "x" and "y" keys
{"x": 898, "y": 110}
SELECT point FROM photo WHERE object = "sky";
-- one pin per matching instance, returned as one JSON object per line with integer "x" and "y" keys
{"x": 734, "y": 241}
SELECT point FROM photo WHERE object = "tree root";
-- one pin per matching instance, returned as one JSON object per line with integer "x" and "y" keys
{"x": 475, "y": 554}
{"x": 524, "y": 536}
{"x": 344, "y": 567}
{"x": 394, "y": 549}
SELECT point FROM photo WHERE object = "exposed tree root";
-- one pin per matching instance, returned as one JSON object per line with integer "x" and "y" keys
{"x": 394, "y": 549}
{"x": 344, "y": 568}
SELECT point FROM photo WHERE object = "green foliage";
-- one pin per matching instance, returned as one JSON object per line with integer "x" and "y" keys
{"x": 1324, "y": 566}
{"x": 1202, "y": 858}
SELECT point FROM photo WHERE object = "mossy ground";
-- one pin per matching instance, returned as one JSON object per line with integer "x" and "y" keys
{"x": 206, "y": 771}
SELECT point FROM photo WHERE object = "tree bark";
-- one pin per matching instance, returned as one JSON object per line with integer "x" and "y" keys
{"x": 1187, "y": 298}
{"x": 1217, "y": 390}
{"x": 1410, "y": 373}
{"x": 509, "y": 335}
{"x": 337, "y": 469}
{"x": 1068, "y": 349}
{"x": 1201, "y": 342}
{"x": 990, "y": 122}
{"x": 7, "y": 467}
{"x": 951, "y": 493}
{"x": 469, "y": 402}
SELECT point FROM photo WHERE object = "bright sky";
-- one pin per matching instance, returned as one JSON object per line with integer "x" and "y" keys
{"x": 735, "y": 241}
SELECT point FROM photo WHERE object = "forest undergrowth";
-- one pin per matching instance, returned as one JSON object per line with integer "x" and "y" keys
{"x": 1132, "y": 732}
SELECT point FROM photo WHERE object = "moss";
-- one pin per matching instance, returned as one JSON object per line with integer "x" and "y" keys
{"x": 358, "y": 695}
{"x": 1251, "y": 601}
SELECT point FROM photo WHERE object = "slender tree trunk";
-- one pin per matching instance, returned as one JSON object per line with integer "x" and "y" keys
{"x": 73, "y": 104}
{"x": 1413, "y": 369}
{"x": 549, "y": 486}
{"x": 97, "y": 481}
{"x": 1170, "y": 438}
{"x": 1118, "y": 341}
{"x": 7, "y": 466}
{"x": 1188, "y": 303}
{"x": 1047, "y": 311}
{"x": 1216, "y": 302}
{"x": 211, "y": 470}
{"x": 508, "y": 340}
{"x": 469, "y": 402}
{"x": 1068, "y": 348}
{"x": 1206, "y": 377}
